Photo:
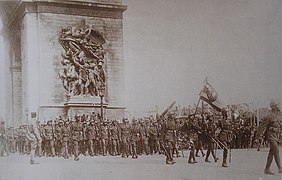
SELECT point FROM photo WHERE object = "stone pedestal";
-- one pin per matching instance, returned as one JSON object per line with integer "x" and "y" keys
{"x": 83, "y": 105}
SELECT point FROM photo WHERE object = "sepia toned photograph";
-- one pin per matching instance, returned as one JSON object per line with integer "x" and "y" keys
{"x": 140, "y": 89}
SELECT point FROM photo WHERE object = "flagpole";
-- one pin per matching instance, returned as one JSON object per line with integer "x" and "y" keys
{"x": 197, "y": 105}
{"x": 198, "y": 102}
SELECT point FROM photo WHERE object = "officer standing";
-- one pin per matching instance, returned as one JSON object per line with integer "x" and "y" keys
{"x": 272, "y": 126}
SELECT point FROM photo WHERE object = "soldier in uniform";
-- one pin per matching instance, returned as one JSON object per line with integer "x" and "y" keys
{"x": 76, "y": 136}
{"x": 200, "y": 141}
{"x": 272, "y": 126}
{"x": 11, "y": 139}
{"x": 97, "y": 138}
{"x": 65, "y": 139}
{"x": 17, "y": 139}
{"x": 193, "y": 131}
{"x": 104, "y": 137}
{"x": 33, "y": 136}
{"x": 21, "y": 139}
{"x": 24, "y": 139}
{"x": 58, "y": 137}
{"x": 3, "y": 140}
{"x": 135, "y": 135}
{"x": 39, "y": 145}
{"x": 144, "y": 134}
{"x": 153, "y": 138}
{"x": 114, "y": 134}
{"x": 90, "y": 134}
{"x": 225, "y": 138}
{"x": 209, "y": 132}
{"x": 84, "y": 144}
{"x": 168, "y": 129}
{"x": 125, "y": 132}
{"x": 49, "y": 139}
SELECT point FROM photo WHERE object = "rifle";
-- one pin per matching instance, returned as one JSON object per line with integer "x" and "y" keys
{"x": 229, "y": 153}
{"x": 167, "y": 109}
{"x": 166, "y": 153}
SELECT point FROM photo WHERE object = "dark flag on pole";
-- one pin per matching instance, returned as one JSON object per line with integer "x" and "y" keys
{"x": 209, "y": 95}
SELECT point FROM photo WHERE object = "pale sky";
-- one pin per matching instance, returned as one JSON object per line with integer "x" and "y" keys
{"x": 2, "y": 81}
{"x": 171, "y": 46}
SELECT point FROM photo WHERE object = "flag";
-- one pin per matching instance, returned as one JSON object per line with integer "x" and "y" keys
{"x": 209, "y": 95}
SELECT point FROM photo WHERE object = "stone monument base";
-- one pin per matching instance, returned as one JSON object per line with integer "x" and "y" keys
{"x": 81, "y": 105}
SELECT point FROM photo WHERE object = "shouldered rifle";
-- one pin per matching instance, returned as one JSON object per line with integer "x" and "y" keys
{"x": 167, "y": 109}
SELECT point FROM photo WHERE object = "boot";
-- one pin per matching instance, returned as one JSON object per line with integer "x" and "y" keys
{"x": 207, "y": 160}
{"x": 269, "y": 172}
{"x": 224, "y": 164}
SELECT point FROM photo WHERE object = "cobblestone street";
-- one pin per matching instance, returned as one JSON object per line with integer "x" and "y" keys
{"x": 246, "y": 164}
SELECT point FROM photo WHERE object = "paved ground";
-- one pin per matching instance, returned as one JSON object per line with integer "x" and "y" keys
{"x": 245, "y": 164}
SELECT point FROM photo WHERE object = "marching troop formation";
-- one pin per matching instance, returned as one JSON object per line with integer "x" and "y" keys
{"x": 168, "y": 135}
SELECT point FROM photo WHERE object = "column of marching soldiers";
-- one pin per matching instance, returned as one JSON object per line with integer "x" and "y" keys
{"x": 87, "y": 135}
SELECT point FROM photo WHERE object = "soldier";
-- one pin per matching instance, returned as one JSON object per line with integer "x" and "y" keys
{"x": 168, "y": 129}
{"x": 114, "y": 134}
{"x": 40, "y": 144}
{"x": 43, "y": 143}
{"x": 144, "y": 135}
{"x": 225, "y": 138}
{"x": 90, "y": 134}
{"x": 125, "y": 133}
{"x": 49, "y": 138}
{"x": 200, "y": 141}
{"x": 24, "y": 131}
{"x": 59, "y": 137}
{"x": 104, "y": 137}
{"x": 3, "y": 140}
{"x": 17, "y": 140}
{"x": 135, "y": 135}
{"x": 11, "y": 139}
{"x": 193, "y": 129}
{"x": 153, "y": 138}
{"x": 97, "y": 138}
{"x": 65, "y": 139}
{"x": 84, "y": 144}
{"x": 76, "y": 136}
{"x": 272, "y": 126}
{"x": 33, "y": 136}
{"x": 209, "y": 132}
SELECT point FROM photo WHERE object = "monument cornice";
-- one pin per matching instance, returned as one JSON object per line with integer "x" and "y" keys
{"x": 92, "y": 9}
